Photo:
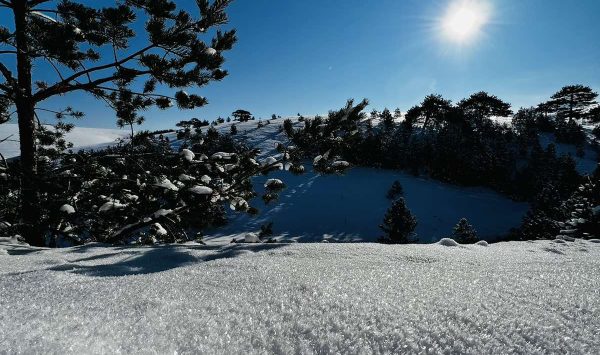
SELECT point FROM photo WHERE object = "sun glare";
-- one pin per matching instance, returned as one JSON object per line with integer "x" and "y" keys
{"x": 464, "y": 20}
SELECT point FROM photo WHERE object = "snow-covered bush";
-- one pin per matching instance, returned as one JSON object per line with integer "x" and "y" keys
{"x": 147, "y": 193}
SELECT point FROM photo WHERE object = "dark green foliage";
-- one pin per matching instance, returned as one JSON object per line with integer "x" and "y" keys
{"x": 242, "y": 115}
{"x": 395, "y": 191}
{"x": 233, "y": 130}
{"x": 572, "y": 102}
{"x": 482, "y": 105}
{"x": 387, "y": 119}
{"x": 398, "y": 224}
{"x": 148, "y": 194}
{"x": 464, "y": 233}
{"x": 581, "y": 212}
{"x": 89, "y": 50}
{"x": 266, "y": 230}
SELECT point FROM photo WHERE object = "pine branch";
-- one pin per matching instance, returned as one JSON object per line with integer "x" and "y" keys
{"x": 7, "y": 75}
{"x": 50, "y": 91}
{"x": 66, "y": 88}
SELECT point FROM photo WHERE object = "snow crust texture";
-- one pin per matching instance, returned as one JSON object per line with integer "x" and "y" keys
{"x": 325, "y": 298}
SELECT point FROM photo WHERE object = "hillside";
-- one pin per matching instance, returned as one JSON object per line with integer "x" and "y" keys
{"x": 81, "y": 137}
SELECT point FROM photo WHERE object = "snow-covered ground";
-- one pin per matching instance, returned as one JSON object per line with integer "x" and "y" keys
{"x": 519, "y": 297}
{"x": 351, "y": 207}
{"x": 81, "y": 137}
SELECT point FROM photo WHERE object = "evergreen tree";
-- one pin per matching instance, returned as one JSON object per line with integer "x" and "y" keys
{"x": 242, "y": 115}
{"x": 387, "y": 119}
{"x": 581, "y": 212}
{"x": 483, "y": 105}
{"x": 431, "y": 112}
{"x": 464, "y": 233}
{"x": 73, "y": 40}
{"x": 395, "y": 191}
{"x": 573, "y": 102}
{"x": 233, "y": 130}
{"x": 398, "y": 224}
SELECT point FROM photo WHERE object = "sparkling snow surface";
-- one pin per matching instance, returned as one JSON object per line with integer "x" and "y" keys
{"x": 520, "y": 297}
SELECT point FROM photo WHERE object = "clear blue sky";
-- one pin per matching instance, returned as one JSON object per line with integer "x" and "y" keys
{"x": 310, "y": 56}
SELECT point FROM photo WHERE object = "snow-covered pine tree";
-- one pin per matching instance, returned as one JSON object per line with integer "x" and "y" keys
{"x": 464, "y": 233}
{"x": 398, "y": 224}
{"x": 582, "y": 211}
{"x": 233, "y": 130}
{"x": 90, "y": 49}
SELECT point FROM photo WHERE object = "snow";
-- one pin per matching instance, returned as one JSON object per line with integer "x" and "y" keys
{"x": 351, "y": 207}
{"x": 159, "y": 229}
{"x": 251, "y": 238}
{"x": 448, "y": 242}
{"x": 166, "y": 184}
{"x": 68, "y": 209}
{"x": 188, "y": 154}
{"x": 210, "y": 51}
{"x": 518, "y": 297}
{"x": 112, "y": 205}
{"x": 82, "y": 138}
{"x": 201, "y": 190}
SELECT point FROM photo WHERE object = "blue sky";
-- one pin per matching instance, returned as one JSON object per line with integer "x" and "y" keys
{"x": 310, "y": 56}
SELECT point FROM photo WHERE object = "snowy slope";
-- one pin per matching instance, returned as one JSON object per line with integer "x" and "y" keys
{"x": 351, "y": 207}
{"x": 526, "y": 298}
{"x": 81, "y": 138}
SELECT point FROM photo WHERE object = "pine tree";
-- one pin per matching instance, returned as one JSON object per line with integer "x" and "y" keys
{"x": 233, "y": 130}
{"x": 573, "y": 102}
{"x": 464, "y": 233}
{"x": 90, "y": 50}
{"x": 398, "y": 224}
{"x": 431, "y": 112}
{"x": 483, "y": 105}
{"x": 242, "y": 115}
{"x": 395, "y": 191}
{"x": 581, "y": 212}
{"x": 387, "y": 119}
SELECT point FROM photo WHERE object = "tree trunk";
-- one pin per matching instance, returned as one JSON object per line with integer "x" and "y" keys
{"x": 31, "y": 208}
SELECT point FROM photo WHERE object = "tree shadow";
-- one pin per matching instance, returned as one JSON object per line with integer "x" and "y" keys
{"x": 149, "y": 260}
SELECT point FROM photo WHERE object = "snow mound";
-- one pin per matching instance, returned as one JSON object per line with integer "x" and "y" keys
{"x": 448, "y": 242}
{"x": 201, "y": 190}
{"x": 482, "y": 243}
{"x": 166, "y": 184}
{"x": 188, "y": 154}
{"x": 66, "y": 208}
{"x": 251, "y": 238}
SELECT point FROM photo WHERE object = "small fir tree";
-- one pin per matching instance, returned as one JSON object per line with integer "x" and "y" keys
{"x": 395, "y": 191}
{"x": 398, "y": 224}
{"x": 464, "y": 233}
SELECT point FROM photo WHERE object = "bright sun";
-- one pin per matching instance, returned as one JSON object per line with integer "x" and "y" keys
{"x": 464, "y": 20}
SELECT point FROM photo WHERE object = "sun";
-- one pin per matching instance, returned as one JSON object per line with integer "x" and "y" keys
{"x": 464, "y": 20}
